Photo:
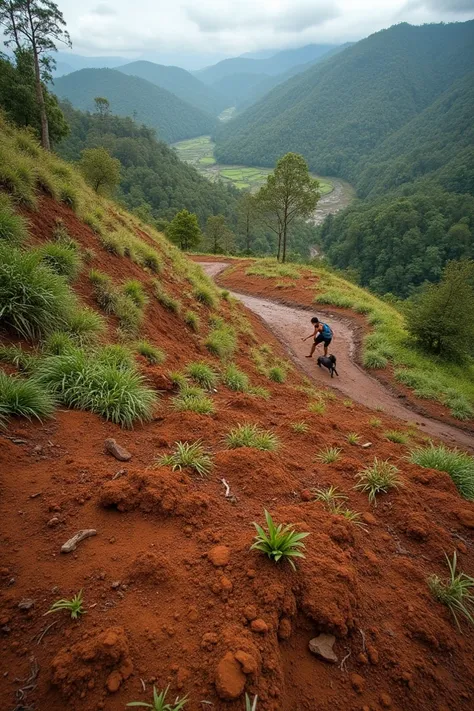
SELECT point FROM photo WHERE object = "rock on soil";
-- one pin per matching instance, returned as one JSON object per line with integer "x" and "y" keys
{"x": 322, "y": 647}
{"x": 259, "y": 626}
{"x": 120, "y": 453}
{"x": 230, "y": 678}
{"x": 71, "y": 544}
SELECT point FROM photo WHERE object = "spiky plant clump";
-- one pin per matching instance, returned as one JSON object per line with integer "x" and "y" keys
{"x": 116, "y": 355}
{"x": 154, "y": 355}
{"x": 74, "y": 606}
{"x": 194, "y": 402}
{"x": 318, "y": 407}
{"x": 178, "y": 379}
{"x": 61, "y": 259}
{"x": 160, "y": 703}
{"x": 13, "y": 227}
{"x": 85, "y": 381}
{"x": 457, "y": 592}
{"x": 24, "y": 398}
{"x": 396, "y": 436}
{"x": 188, "y": 456}
{"x": 277, "y": 374}
{"x": 203, "y": 374}
{"x": 258, "y": 391}
{"x": 353, "y": 438}
{"x": 18, "y": 357}
{"x": 34, "y": 301}
{"x": 58, "y": 343}
{"x": 375, "y": 422}
{"x": 221, "y": 342}
{"x": 85, "y": 325}
{"x": 205, "y": 295}
{"x": 251, "y": 436}
{"x": 348, "y": 403}
{"x": 378, "y": 479}
{"x": 279, "y": 542}
{"x": 459, "y": 465}
{"x": 192, "y": 320}
{"x": 235, "y": 379}
{"x": 134, "y": 289}
{"x": 250, "y": 705}
{"x": 328, "y": 455}
{"x": 166, "y": 300}
{"x": 113, "y": 243}
{"x": 225, "y": 294}
{"x": 330, "y": 497}
{"x": 299, "y": 427}
{"x": 354, "y": 517}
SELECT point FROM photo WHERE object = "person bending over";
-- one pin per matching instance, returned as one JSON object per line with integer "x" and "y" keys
{"x": 322, "y": 334}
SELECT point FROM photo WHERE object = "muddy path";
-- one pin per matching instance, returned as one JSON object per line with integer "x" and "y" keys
{"x": 290, "y": 324}
{"x": 339, "y": 198}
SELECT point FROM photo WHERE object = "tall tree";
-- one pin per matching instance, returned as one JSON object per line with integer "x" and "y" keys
{"x": 35, "y": 25}
{"x": 219, "y": 237}
{"x": 289, "y": 192}
{"x": 184, "y": 230}
{"x": 102, "y": 106}
{"x": 246, "y": 217}
{"x": 100, "y": 170}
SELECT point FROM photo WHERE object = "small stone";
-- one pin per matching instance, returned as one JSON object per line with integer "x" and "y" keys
{"x": 115, "y": 585}
{"x": 322, "y": 646}
{"x": 209, "y": 640}
{"x": 249, "y": 664}
{"x": 120, "y": 453}
{"x": 53, "y": 522}
{"x": 71, "y": 544}
{"x": 385, "y": 700}
{"x": 369, "y": 518}
{"x": 114, "y": 681}
{"x": 366, "y": 445}
{"x": 38, "y": 449}
{"x": 226, "y": 584}
{"x": 219, "y": 556}
{"x": 362, "y": 658}
{"x": 259, "y": 626}
{"x": 373, "y": 654}
{"x": 358, "y": 682}
{"x": 284, "y": 628}
{"x": 26, "y": 604}
{"x": 306, "y": 495}
{"x": 250, "y": 612}
{"x": 230, "y": 679}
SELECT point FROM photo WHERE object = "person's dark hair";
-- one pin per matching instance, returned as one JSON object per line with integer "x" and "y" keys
{"x": 315, "y": 320}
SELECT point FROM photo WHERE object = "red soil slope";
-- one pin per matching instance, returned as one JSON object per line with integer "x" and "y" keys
{"x": 173, "y": 594}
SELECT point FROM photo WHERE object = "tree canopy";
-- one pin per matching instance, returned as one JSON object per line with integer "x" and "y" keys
{"x": 184, "y": 230}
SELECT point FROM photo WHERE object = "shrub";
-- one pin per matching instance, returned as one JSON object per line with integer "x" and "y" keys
{"x": 279, "y": 541}
{"x": 329, "y": 455}
{"x": 194, "y": 402}
{"x": 83, "y": 381}
{"x": 191, "y": 319}
{"x": 100, "y": 170}
{"x": 379, "y": 478}
{"x": 188, "y": 456}
{"x": 61, "y": 259}
{"x": 154, "y": 355}
{"x": 13, "y": 227}
{"x": 166, "y": 300}
{"x": 205, "y": 295}
{"x": 135, "y": 291}
{"x": 34, "y": 301}
{"x": 236, "y": 379}
{"x": 74, "y": 606}
{"x": 221, "y": 342}
{"x": 456, "y": 592}
{"x": 159, "y": 702}
{"x": 396, "y": 436}
{"x": 203, "y": 374}
{"x": 375, "y": 422}
{"x": 24, "y": 398}
{"x": 251, "y": 436}
{"x": 299, "y": 427}
{"x": 277, "y": 374}
{"x": 459, "y": 465}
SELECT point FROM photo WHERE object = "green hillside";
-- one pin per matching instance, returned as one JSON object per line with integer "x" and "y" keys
{"x": 179, "y": 82}
{"x": 338, "y": 112}
{"x": 172, "y": 118}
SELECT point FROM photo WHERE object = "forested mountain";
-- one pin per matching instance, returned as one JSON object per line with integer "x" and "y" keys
{"x": 171, "y": 117}
{"x": 238, "y": 88}
{"x": 154, "y": 180}
{"x": 181, "y": 83}
{"x": 339, "y": 111}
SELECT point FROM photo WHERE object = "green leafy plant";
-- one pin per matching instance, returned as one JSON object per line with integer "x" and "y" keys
{"x": 191, "y": 401}
{"x": 58, "y": 343}
{"x": 221, "y": 342}
{"x": 205, "y": 295}
{"x": 377, "y": 479}
{"x": 203, "y": 374}
{"x": 22, "y": 397}
{"x": 251, "y": 436}
{"x": 84, "y": 325}
{"x": 318, "y": 407}
{"x": 134, "y": 289}
{"x": 457, "y": 592}
{"x": 18, "y": 357}
{"x": 154, "y": 355}
{"x": 250, "y": 705}
{"x": 258, "y": 391}
{"x": 351, "y": 516}
{"x": 192, "y": 320}
{"x": 396, "y": 436}
{"x": 299, "y": 427}
{"x": 74, "y": 606}
{"x": 277, "y": 374}
{"x": 166, "y": 300}
{"x": 375, "y": 422}
{"x": 328, "y": 455}
{"x": 330, "y": 496}
{"x": 61, "y": 259}
{"x": 188, "y": 456}
{"x": 159, "y": 702}
{"x": 459, "y": 465}
{"x": 279, "y": 541}
{"x": 235, "y": 379}
{"x": 353, "y": 438}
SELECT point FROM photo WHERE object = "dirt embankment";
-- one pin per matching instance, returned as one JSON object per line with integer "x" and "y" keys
{"x": 172, "y": 593}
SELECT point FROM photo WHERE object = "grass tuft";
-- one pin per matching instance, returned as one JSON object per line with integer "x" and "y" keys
{"x": 205, "y": 295}
{"x": 134, "y": 289}
{"x": 61, "y": 259}
{"x": 236, "y": 379}
{"x": 154, "y": 355}
{"x": 329, "y": 455}
{"x": 353, "y": 438}
{"x": 457, "y": 592}
{"x": 203, "y": 374}
{"x": 251, "y": 436}
{"x": 299, "y": 427}
{"x": 377, "y": 479}
{"x": 459, "y": 465}
{"x": 221, "y": 342}
{"x": 192, "y": 320}
{"x": 189, "y": 401}
{"x": 279, "y": 542}
{"x": 160, "y": 703}
{"x": 277, "y": 374}
{"x": 188, "y": 456}
{"x": 13, "y": 227}
{"x": 21, "y": 397}
{"x": 318, "y": 407}
{"x": 166, "y": 300}
{"x": 396, "y": 436}
{"x": 74, "y": 606}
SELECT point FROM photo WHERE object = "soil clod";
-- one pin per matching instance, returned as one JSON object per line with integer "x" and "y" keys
{"x": 322, "y": 647}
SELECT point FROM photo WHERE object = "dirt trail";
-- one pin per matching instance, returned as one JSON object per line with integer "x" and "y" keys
{"x": 290, "y": 324}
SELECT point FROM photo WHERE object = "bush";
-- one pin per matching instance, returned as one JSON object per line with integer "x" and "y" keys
{"x": 192, "y": 320}
{"x": 221, "y": 342}
{"x": 34, "y": 301}
{"x": 100, "y": 170}
{"x": 24, "y": 398}
{"x": 154, "y": 355}
{"x": 81, "y": 380}
{"x": 251, "y": 436}
{"x": 61, "y": 259}
{"x": 203, "y": 374}
{"x": 459, "y": 465}
{"x": 13, "y": 227}
{"x": 236, "y": 379}
{"x": 188, "y": 456}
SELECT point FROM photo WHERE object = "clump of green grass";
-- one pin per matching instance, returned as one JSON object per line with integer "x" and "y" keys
{"x": 205, "y": 295}
{"x": 221, "y": 342}
{"x": 299, "y": 427}
{"x": 375, "y": 422}
{"x": 192, "y": 320}
{"x": 225, "y": 294}
{"x": 113, "y": 301}
{"x": 259, "y": 391}
{"x": 166, "y": 300}
{"x": 378, "y": 479}
{"x": 188, "y": 456}
{"x": 178, "y": 379}
{"x": 396, "y": 436}
{"x": 277, "y": 374}
{"x": 374, "y": 360}
{"x": 18, "y": 357}
{"x": 328, "y": 455}
{"x": 154, "y": 355}
{"x": 251, "y": 436}
{"x": 318, "y": 407}
{"x": 459, "y": 465}
{"x": 58, "y": 342}
{"x": 353, "y": 438}
{"x": 160, "y": 703}
{"x": 113, "y": 243}
{"x": 457, "y": 592}
{"x": 116, "y": 355}
{"x": 85, "y": 325}
{"x": 279, "y": 542}
{"x": 348, "y": 403}
{"x": 20, "y": 397}
{"x": 134, "y": 289}
{"x": 13, "y": 227}
{"x": 190, "y": 401}
{"x": 89, "y": 381}
{"x": 330, "y": 497}
{"x": 235, "y": 379}
{"x": 203, "y": 374}
{"x": 74, "y": 606}
{"x": 61, "y": 259}
{"x": 354, "y": 517}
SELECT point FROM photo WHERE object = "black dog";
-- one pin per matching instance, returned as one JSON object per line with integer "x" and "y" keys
{"x": 329, "y": 362}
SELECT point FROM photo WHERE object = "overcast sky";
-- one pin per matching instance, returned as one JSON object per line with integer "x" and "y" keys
{"x": 231, "y": 27}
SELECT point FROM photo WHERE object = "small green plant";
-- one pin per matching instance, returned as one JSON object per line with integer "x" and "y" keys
{"x": 348, "y": 403}
{"x": 377, "y": 479}
{"x": 188, "y": 456}
{"x": 396, "y": 436}
{"x": 13, "y": 227}
{"x": 457, "y": 592}
{"x": 205, "y": 295}
{"x": 375, "y": 422}
{"x": 329, "y": 455}
{"x": 203, "y": 374}
{"x": 18, "y": 357}
{"x": 192, "y": 320}
{"x": 251, "y": 436}
{"x": 74, "y": 606}
{"x": 225, "y": 295}
{"x": 279, "y": 541}
{"x": 236, "y": 379}
{"x": 61, "y": 259}
{"x": 154, "y": 355}
{"x": 353, "y": 438}
{"x": 459, "y": 465}
{"x": 20, "y": 397}
{"x": 277, "y": 374}
{"x": 299, "y": 427}
{"x": 221, "y": 342}
{"x": 258, "y": 391}
{"x": 194, "y": 402}
{"x": 166, "y": 300}
{"x": 318, "y": 407}
{"x": 159, "y": 702}
{"x": 250, "y": 705}
{"x": 330, "y": 496}
{"x": 134, "y": 289}
{"x": 351, "y": 516}
{"x": 84, "y": 325}
{"x": 58, "y": 343}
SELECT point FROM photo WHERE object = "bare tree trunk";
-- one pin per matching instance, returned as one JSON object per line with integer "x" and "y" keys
{"x": 41, "y": 104}
{"x": 279, "y": 244}
{"x": 285, "y": 229}
{"x": 248, "y": 232}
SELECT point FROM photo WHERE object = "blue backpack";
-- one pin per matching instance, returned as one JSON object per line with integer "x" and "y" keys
{"x": 326, "y": 332}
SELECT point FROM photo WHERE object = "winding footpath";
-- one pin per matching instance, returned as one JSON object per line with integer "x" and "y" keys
{"x": 289, "y": 324}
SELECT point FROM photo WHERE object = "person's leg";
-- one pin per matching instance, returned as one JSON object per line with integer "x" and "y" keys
{"x": 313, "y": 348}
{"x": 327, "y": 343}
